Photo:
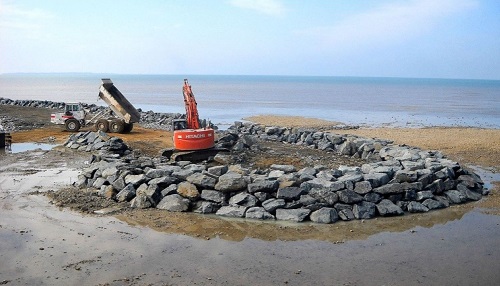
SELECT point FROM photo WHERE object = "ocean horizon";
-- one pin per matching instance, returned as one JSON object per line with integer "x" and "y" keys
{"x": 223, "y": 99}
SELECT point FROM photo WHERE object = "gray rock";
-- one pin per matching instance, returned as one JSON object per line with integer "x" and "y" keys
{"x": 275, "y": 174}
{"x": 402, "y": 176}
{"x": 416, "y": 207}
{"x": 395, "y": 188}
{"x": 322, "y": 183}
{"x": 433, "y": 204}
{"x": 258, "y": 213}
{"x": 307, "y": 171}
{"x": 362, "y": 187}
{"x": 272, "y": 205}
{"x": 261, "y": 196}
{"x": 388, "y": 208}
{"x": 324, "y": 215}
{"x": 289, "y": 193}
{"x": 163, "y": 181}
{"x": 183, "y": 174}
{"x": 346, "y": 214}
{"x": 267, "y": 186}
{"x": 232, "y": 211}
{"x": 213, "y": 196}
{"x": 157, "y": 173}
{"x": 99, "y": 182}
{"x": 141, "y": 202}
{"x": 217, "y": 170}
{"x": 111, "y": 171}
{"x": 473, "y": 196}
{"x": 324, "y": 196}
{"x": 243, "y": 199}
{"x": 376, "y": 179}
{"x": 231, "y": 182}
{"x": 174, "y": 203}
{"x": 349, "y": 197}
{"x": 364, "y": 210}
{"x": 455, "y": 197}
{"x": 135, "y": 180}
{"x": 170, "y": 190}
{"x": 423, "y": 195}
{"x": 202, "y": 180}
{"x": 126, "y": 194}
{"x": 296, "y": 215}
{"x": 152, "y": 192}
{"x": 204, "y": 207}
{"x": 373, "y": 197}
{"x": 284, "y": 168}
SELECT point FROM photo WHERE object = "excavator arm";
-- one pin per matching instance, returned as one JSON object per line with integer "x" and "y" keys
{"x": 192, "y": 119}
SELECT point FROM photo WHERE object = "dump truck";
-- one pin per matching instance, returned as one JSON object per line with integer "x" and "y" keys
{"x": 119, "y": 117}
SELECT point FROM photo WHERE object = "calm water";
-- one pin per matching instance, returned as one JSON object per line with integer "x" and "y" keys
{"x": 224, "y": 99}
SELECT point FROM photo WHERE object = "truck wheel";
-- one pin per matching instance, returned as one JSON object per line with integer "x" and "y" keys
{"x": 102, "y": 125}
{"x": 128, "y": 127}
{"x": 116, "y": 126}
{"x": 72, "y": 125}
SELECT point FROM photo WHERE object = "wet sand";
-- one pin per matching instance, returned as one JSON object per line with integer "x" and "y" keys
{"x": 44, "y": 245}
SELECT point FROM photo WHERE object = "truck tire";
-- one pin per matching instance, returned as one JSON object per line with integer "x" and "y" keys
{"x": 72, "y": 125}
{"x": 102, "y": 125}
{"x": 128, "y": 127}
{"x": 117, "y": 126}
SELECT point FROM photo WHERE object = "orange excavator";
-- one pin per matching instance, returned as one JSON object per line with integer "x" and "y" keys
{"x": 191, "y": 141}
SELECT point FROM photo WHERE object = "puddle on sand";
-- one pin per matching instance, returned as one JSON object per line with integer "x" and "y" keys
{"x": 23, "y": 147}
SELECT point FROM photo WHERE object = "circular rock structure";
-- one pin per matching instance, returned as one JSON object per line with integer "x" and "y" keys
{"x": 394, "y": 179}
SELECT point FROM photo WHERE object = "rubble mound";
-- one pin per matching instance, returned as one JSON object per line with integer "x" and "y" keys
{"x": 391, "y": 180}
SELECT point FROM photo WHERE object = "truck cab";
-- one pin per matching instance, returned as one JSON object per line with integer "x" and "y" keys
{"x": 72, "y": 118}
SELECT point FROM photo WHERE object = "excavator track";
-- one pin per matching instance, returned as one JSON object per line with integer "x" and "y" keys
{"x": 192, "y": 156}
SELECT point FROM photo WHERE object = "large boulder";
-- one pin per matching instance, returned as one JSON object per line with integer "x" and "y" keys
{"x": 364, "y": 210}
{"x": 258, "y": 213}
{"x": 388, "y": 208}
{"x": 232, "y": 211}
{"x": 188, "y": 190}
{"x": 324, "y": 215}
{"x": 231, "y": 182}
{"x": 267, "y": 186}
{"x": 296, "y": 215}
{"x": 243, "y": 199}
{"x": 174, "y": 203}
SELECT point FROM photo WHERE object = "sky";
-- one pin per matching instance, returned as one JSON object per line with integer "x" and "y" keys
{"x": 382, "y": 38}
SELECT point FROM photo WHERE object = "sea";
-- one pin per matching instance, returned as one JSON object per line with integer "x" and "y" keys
{"x": 223, "y": 99}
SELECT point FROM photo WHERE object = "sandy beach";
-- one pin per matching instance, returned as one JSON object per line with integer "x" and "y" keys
{"x": 44, "y": 243}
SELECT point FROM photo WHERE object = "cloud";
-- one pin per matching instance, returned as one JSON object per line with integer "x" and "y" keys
{"x": 387, "y": 23}
{"x": 14, "y": 17}
{"x": 269, "y": 7}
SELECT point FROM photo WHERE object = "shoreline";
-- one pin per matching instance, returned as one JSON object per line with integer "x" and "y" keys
{"x": 59, "y": 246}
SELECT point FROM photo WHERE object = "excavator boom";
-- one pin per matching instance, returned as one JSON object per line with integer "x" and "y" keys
{"x": 192, "y": 119}
{"x": 191, "y": 136}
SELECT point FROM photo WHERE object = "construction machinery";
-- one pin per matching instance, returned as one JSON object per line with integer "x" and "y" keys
{"x": 119, "y": 117}
{"x": 192, "y": 142}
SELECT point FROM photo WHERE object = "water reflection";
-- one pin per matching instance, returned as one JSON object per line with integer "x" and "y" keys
{"x": 208, "y": 227}
{"x": 23, "y": 147}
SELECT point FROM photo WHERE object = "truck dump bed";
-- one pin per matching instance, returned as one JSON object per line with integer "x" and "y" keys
{"x": 117, "y": 102}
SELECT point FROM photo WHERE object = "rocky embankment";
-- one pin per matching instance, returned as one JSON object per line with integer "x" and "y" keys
{"x": 394, "y": 179}
{"x": 149, "y": 119}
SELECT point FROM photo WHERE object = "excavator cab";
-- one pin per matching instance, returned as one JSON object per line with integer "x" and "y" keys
{"x": 179, "y": 124}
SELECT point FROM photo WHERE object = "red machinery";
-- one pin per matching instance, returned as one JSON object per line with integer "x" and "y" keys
{"x": 188, "y": 135}
{"x": 191, "y": 141}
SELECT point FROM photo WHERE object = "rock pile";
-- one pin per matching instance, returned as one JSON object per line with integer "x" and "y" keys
{"x": 395, "y": 179}
{"x": 97, "y": 141}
